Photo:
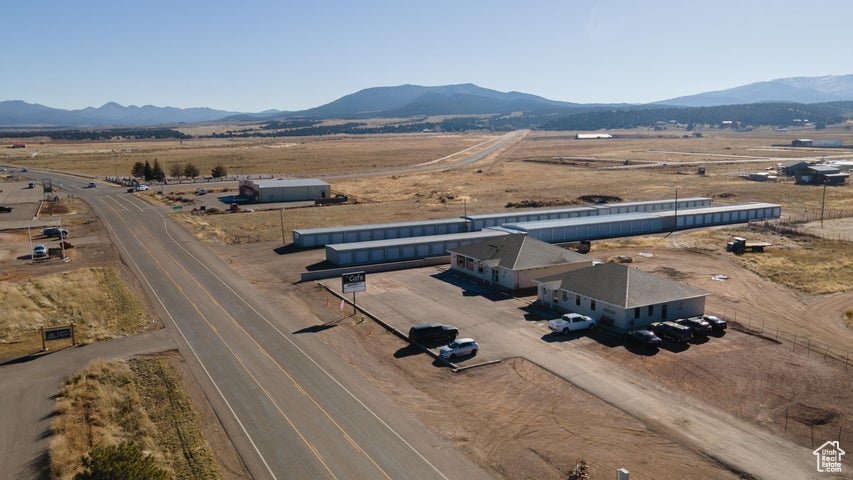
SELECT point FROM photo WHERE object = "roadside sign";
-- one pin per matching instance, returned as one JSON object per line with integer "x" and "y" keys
{"x": 58, "y": 333}
{"x": 353, "y": 282}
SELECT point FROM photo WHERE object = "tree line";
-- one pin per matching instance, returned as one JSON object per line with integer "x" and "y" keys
{"x": 154, "y": 172}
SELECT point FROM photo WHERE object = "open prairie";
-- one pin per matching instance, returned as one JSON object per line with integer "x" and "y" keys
{"x": 801, "y": 287}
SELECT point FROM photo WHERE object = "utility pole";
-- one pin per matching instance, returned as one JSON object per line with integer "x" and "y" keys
{"x": 822, "y": 202}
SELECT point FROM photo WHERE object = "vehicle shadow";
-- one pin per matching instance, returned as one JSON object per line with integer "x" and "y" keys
{"x": 717, "y": 333}
{"x": 675, "y": 347}
{"x": 409, "y": 351}
{"x": 642, "y": 349}
{"x": 698, "y": 340}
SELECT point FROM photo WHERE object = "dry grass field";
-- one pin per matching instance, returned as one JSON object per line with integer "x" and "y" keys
{"x": 140, "y": 401}
{"x": 100, "y": 305}
{"x": 799, "y": 274}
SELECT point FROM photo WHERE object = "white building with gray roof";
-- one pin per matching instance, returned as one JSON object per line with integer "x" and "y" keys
{"x": 513, "y": 261}
{"x": 619, "y": 296}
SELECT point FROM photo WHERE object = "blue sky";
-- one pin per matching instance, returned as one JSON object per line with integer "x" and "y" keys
{"x": 254, "y": 55}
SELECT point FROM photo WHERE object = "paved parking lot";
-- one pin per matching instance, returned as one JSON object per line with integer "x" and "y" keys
{"x": 503, "y": 325}
{"x": 24, "y": 201}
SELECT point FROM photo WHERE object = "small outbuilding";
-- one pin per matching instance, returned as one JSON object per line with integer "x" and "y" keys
{"x": 513, "y": 261}
{"x": 820, "y": 174}
{"x": 280, "y": 190}
{"x": 621, "y": 297}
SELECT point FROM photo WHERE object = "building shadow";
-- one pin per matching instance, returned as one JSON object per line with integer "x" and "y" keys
{"x": 471, "y": 288}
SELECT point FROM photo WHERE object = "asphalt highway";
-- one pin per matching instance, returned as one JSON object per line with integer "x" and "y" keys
{"x": 292, "y": 408}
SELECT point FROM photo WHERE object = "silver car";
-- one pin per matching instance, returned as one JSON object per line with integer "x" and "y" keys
{"x": 459, "y": 348}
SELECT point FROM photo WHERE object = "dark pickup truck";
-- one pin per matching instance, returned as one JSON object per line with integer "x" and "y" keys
{"x": 5, "y": 209}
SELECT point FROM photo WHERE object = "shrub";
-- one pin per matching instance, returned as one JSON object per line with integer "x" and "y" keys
{"x": 120, "y": 462}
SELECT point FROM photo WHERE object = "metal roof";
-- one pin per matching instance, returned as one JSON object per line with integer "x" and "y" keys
{"x": 564, "y": 222}
{"x": 736, "y": 207}
{"x": 520, "y": 213}
{"x": 293, "y": 182}
{"x": 377, "y": 226}
{"x": 430, "y": 239}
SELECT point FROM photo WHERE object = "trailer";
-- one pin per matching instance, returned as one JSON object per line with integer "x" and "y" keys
{"x": 740, "y": 245}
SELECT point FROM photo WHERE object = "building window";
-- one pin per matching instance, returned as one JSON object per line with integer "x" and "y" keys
{"x": 577, "y": 300}
{"x": 556, "y": 296}
{"x": 565, "y": 296}
{"x": 460, "y": 261}
{"x": 469, "y": 263}
{"x": 592, "y": 305}
{"x": 479, "y": 267}
{"x": 651, "y": 310}
{"x": 637, "y": 312}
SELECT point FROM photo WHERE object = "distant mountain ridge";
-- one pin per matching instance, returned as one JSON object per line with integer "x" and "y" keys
{"x": 416, "y": 100}
{"x": 17, "y": 113}
{"x": 830, "y": 88}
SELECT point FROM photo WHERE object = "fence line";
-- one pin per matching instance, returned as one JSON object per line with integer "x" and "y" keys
{"x": 802, "y": 344}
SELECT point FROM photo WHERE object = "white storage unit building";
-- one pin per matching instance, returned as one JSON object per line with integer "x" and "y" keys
{"x": 399, "y": 249}
{"x": 479, "y": 222}
{"x": 266, "y": 191}
{"x": 722, "y": 215}
{"x": 653, "y": 205}
{"x": 590, "y": 228}
{"x": 317, "y": 237}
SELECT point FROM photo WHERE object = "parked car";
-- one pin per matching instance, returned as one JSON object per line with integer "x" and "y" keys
{"x": 54, "y": 232}
{"x": 5, "y": 209}
{"x": 91, "y": 185}
{"x": 571, "y": 322}
{"x": 716, "y": 322}
{"x": 672, "y": 331}
{"x": 645, "y": 338}
{"x": 39, "y": 250}
{"x": 202, "y": 192}
{"x": 433, "y": 333}
{"x": 31, "y": 184}
{"x": 141, "y": 188}
{"x": 699, "y": 326}
{"x": 459, "y": 348}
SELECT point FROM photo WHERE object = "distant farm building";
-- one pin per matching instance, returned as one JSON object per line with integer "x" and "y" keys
{"x": 266, "y": 191}
{"x": 619, "y": 296}
{"x": 816, "y": 174}
{"x": 592, "y": 136}
{"x": 802, "y": 142}
{"x": 18, "y": 145}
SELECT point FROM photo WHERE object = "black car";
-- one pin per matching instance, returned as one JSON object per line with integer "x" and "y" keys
{"x": 672, "y": 331}
{"x": 716, "y": 322}
{"x": 699, "y": 326}
{"x": 54, "y": 232}
{"x": 5, "y": 209}
{"x": 643, "y": 337}
{"x": 433, "y": 333}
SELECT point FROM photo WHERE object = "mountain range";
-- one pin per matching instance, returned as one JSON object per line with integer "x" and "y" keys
{"x": 416, "y": 100}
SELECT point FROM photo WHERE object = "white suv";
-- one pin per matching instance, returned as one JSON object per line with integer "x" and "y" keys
{"x": 571, "y": 322}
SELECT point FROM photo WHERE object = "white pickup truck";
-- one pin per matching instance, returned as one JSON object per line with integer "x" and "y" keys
{"x": 571, "y": 322}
